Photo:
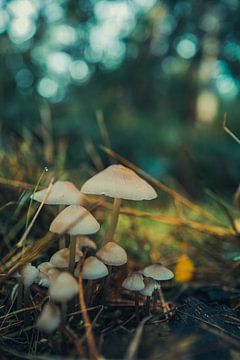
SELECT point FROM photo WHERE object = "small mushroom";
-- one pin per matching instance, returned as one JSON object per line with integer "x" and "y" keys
{"x": 47, "y": 273}
{"x": 118, "y": 182}
{"x": 28, "y": 274}
{"x": 62, "y": 290}
{"x": 150, "y": 286}
{"x": 62, "y": 193}
{"x": 92, "y": 269}
{"x": 50, "y": 318}
{"x": 75, "y": 220}
{"x": 60, "y": 258}
{"x": 160, "y": 273}
{"x": 134, "y": 282}
{"x": 111, "y": 254}
{"x": 84, "y": 243}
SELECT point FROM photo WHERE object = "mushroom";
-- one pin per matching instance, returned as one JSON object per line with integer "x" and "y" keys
{"x": 134, "y": 282}
{"x": 118, "y": 182}
{"x": 111, "y": 254}
{"x": 62, "y": 193}
{"x": 75, "y": 220}
{"x": 47, "y": 273}
{"x": 62, "y": 290}
{"x": 60, "y": 258}
{"x": 50, "y": 318}
{"x": 92, "y": 269}
{"x": 150, "y": 286}
{"x": 160, "y": 273}
{"x": 28, "y": 274}
{"x": 84, "y": 243}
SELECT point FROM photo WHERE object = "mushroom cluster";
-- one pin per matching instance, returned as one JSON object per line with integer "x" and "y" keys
{"x": 60, "y": 273}
{"x": 147, "y": 282}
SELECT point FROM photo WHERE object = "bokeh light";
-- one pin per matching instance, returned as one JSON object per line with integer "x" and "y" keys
{"x": 187, "y": 46}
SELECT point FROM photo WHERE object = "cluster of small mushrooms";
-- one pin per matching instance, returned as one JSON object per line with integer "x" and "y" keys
{"x": 61, "y": 272}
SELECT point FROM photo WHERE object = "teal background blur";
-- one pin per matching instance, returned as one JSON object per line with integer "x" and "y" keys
{"x": 163, "y": 73}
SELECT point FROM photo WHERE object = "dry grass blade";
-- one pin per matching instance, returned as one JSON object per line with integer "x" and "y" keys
{"x": 228, "y": 131}
{"x": 24, "y": 236}
{"x": 133, "y": 347}
{"x": 16, "y": 184}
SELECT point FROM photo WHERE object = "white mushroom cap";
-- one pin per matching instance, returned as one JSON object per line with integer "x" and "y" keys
{"x": 94, "y": 269}
{"x": 45, "y": 266}
{"x": 117, "y": 181}
{"x": 134, "y": 282}
{"x": 42, "y": 278}
{"x": 158, "y": 272}
{"x": 150, "y": 286}
{"x": 45, "y": 279}
{"x": 61, "y": 193}
{"x": 85, "y": 242}
{"x": 61, "y": 258}
{"x": 64, "y": 288}
{"x": 28, "y": 274}
{"x": 50, "y": 318}
{"x": 75, "y": 220}
{"x": 112, "y": 254}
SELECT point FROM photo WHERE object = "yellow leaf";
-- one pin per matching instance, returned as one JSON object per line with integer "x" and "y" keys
{"x": 184, "y": 269}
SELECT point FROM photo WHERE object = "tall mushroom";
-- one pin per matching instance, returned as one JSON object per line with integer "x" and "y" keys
{"x": 118, "y": 182}
{"x": 74, "y": 220}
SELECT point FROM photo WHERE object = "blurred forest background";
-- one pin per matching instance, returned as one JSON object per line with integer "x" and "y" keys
{"x": 162, "y": 73}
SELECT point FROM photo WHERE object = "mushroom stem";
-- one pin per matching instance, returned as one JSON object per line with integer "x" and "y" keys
{"x": 88, "y": 292}
{"x": 155, "y": 299}
{"x": 20, "y": 294}
{"x": 114, "y": 220}
{"x": 26, "y": 302}
{"x": 106, "y": 285}
{"x": 63, "y": 313}
{"x": 62, "y": 240}
{"x": 72, "y": 248}
{"x": 137, "y": 306}
{"x": 147, "y": 305}
{"x": 62, "y": 243}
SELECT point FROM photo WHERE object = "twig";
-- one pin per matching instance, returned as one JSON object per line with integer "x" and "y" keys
{"x": 92, "y": 349}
